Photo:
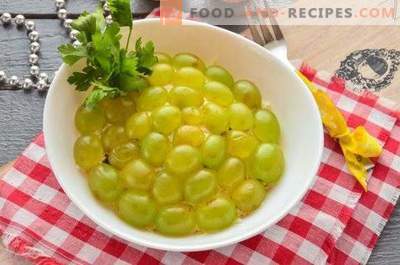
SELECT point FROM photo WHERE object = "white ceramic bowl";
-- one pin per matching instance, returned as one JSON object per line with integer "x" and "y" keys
{"x": 290, "y": 99}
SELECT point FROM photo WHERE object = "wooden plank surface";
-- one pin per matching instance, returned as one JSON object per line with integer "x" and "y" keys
{"x": 21, "y": 112}
{"x": 38, "y": 8}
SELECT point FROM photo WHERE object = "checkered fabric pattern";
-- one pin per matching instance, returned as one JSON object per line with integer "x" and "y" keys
{"x": 336, "y": 222}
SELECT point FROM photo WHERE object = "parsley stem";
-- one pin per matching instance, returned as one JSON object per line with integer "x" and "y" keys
{"x": 129, "y": 38}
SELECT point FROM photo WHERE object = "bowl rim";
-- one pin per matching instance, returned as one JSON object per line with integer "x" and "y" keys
{"x": 209, "y": 245}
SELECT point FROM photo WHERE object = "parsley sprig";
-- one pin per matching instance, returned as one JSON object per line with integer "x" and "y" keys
{"x": 110, "y": 70}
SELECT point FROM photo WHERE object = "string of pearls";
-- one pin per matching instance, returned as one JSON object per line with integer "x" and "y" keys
{"x": 39, "y": 80}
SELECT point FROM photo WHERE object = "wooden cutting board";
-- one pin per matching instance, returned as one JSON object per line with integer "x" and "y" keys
{"x": 325, "y": 47}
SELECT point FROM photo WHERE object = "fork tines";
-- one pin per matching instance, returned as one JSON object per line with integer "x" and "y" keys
{"x": 260, "y": 25}
{"x": 274, "y": 23}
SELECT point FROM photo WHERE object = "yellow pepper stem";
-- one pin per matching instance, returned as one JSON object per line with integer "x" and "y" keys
{"x": 357, "y": 145}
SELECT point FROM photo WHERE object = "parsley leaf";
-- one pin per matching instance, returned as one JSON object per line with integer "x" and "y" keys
{"x": 110, "y": 70}
{"x": 87, "y": 24}
{"x": 100, "y": 92}
{"x": 129, "y": 63}
{"x": 83, "y": 80}
{"x": 146, "y": 56}
{"x": 106, "y": 49}
{"x": 121, "y": 12}
{"x": 70, "y": 54}
{"x": 128, "y": 71}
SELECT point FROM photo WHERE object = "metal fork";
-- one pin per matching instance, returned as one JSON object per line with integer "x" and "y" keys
{"x": 275, "y": 42}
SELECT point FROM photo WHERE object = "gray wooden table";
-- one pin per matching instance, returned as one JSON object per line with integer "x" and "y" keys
{"x": 21, "y": 112}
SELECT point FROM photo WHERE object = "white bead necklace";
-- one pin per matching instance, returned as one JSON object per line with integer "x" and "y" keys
{"x": 39, "y": 80}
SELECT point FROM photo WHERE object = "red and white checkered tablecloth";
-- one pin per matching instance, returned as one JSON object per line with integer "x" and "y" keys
{"x": 335, "y": 223}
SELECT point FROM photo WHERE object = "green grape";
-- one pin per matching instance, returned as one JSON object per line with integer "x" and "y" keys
{"x": 88, "y": 151}
{"x": 113, "y": 136}
{"x": 192, "y": 116}
{"x": 89, "y": 120}
{"x": 138, "y": 174}
{"x": 154, "y": 148}
{"x": 241, "y": 117}
{"x": 186, "y": 59}
{"x": 268, "y": 163}
{"x": 166, "y": 119}
{"x": 122, "y": 154}
{"x": 215, "y": 118}
{"x": 213, "y": 151}
{"x": 216, "y": 214}
{"x": 241, "y": 144}
{"x": 163, "y": 58}
{"x": 266, "y": 127}
{"x": 183, "y": 159}
{"x": 137, "y": 208}
{"x": 218, "y": 93}
{"x": 138, "y": 125}
{"x": 200, "y": 186}
{"x": 219, "y": 74}
{"x": 190, "y": 135}
{"x": 152, "y": 98}
{"x": 231, "y": 173}
{"x": 162, "y": 74}
{"x": 246, "y": 92}
{"x": 190, "y": 77}
{"x": 177, "y": 220}
{"x": 167, "y": 189}
{"x": 132, "y": 83}
{"x": 249, "y": 195}
{"x": 117, "y": 110}
{"x": 104, "y": 182}
{"x": 182, "y": 96}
